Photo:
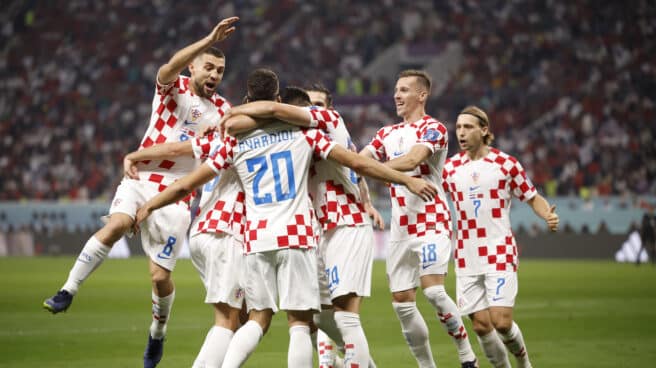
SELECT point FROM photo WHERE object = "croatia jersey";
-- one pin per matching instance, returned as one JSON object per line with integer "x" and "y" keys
{"x": 272, "y": 164}
{"x": 178, "y": 115}
{"x": 411, "y": 215}
{"x": 222, "y": 199}
{"x": 335, "y": 191}
{"x": 481, "y": 191}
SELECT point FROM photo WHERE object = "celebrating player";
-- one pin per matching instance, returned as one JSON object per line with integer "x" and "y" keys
{"x": 181, "y": 107}
{"x": 420, "y": 245}
{"x": 482, "y": 181}
{"x": 272, "y": 163}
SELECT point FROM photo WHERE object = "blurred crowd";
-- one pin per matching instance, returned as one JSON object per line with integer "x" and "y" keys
{"x": 569, "y": 86}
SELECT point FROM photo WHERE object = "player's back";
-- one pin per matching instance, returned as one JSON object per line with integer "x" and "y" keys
{"x": 272, "y": 163}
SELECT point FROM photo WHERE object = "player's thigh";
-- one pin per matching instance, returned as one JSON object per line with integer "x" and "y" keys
{"x": 349, "y": 254}
{"x": 402, "y": 266}
{"x": 501, "y": 288}
{"x": 298, "y": 286}
{"x": 471, "y": 294}
{"x": 259, "y": 281}
{"x": 163, "y": 233}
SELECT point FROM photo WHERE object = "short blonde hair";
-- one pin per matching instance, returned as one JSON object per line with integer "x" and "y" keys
{"x": 483, "y": 121}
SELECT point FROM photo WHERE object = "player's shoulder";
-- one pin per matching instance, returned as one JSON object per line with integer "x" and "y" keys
{"x": 221, "y": 102}
{"x": 455, "y": 161}
{"x": 387, "y": 129}
{"x": 500, "y": 157}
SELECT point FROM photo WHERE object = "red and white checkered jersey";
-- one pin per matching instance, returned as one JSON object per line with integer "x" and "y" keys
{"x": 334, "y": 188}
{"x": 178, "y": 114}
{"x": 272, "y": 163}
{"x": 481, "y": 191}
{"x": 411, "y": 216}
{"x": 221, "y": 207}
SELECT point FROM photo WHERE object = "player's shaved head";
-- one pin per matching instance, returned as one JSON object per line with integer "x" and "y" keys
{"x": 262, "y": 84}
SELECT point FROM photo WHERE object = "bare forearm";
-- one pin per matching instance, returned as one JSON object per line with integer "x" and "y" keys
{"x": 540, "y": 206}
{"x": 164, "y": 150}
{"x": 403, "y": 163}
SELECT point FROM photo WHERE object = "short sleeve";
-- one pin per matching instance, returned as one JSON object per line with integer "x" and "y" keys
{"x": 320, "y": 143}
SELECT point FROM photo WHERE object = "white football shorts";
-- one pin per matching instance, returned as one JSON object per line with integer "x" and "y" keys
{"x": 219, "y": 260}
{"x": 286, "y": 275}
{"x": 409, "y": 259}
{"x": 479, "y": 292}
{"x": 162, "y": 234}
{"x": 348, "y": 256}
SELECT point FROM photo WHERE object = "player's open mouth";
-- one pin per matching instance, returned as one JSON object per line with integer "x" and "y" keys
{"x": 209, "y": 87}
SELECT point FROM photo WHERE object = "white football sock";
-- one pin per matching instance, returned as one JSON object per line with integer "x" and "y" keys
{"x": 514, "y": 341}
{"x": 494, "y": 350}
{"x": 451, "y": 320}
{"x": 243, "y": 343}
{"x": 326, "y": 349}
{"x": 415, "y": 331}
{"x": 161, "y": 313}
{"x": 214, "y": 348}
{"x": 91, "y": 256}
{"x": 300, "y": 347}
{"x": 325, "y": 320}
{"x": 355, "y": 341}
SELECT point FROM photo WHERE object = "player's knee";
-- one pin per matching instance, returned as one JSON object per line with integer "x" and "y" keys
{"x": 482, "y": 328}
{"x": 405, "y": 296}
{"x": 160, "y": 277}
{"x": 117, "y": 226}
{"x": 502, "y": 324}
{"x": 436, "y": 293}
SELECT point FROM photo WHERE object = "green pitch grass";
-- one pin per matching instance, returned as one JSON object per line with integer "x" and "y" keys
{"x": 572, "y": 314}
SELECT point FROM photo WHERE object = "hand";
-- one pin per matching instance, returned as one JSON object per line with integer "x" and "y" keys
{"x": 552, "y": 219}
{"x": 142, "y": 214}
{"x": 208, "y": 130}
{"x": 130, "y": 168}
{"x": 375, "y": 216}
{"x": 223, "y": 29}
{"x": 422, "y": 188}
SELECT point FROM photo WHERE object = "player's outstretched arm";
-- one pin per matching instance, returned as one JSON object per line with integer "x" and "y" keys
{"x": 238, "y": 124}
{"x": 158, "y": 151}
{"x": 175, "y": 192}
{"x": 270, "y": 109}
{"x": 169, "y": 72}
{"x": 548, "y": 213}
{"x": 373, "y": 169}
{"x": 417, "y": 154}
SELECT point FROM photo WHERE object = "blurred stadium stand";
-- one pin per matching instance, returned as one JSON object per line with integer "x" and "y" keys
{"x": 569, "y": 87}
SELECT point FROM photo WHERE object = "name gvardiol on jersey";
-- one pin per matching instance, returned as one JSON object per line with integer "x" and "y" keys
{"x": 265, "y": 140}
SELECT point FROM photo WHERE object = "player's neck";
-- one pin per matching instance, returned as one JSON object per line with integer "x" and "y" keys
{"x": 479, "y": 152}
{"x": 414, "y": 116}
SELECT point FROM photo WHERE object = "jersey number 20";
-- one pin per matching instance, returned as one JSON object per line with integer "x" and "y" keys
{"x": 260, "y": 165}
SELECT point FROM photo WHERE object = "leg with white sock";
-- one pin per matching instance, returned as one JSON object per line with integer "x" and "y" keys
{"x": 347, "y": 317}
{"x": 163, "y": 295}
{"x": 326, "y": 349}
{"x": 449, "y": 316}
{"x": 414, "y": 327}
{"x": 510, "y": 334}
{"x": 243, "y": 343}
{"x": 216, "y": 342}
{"x": 489, "y": 339}
{"x": 96, "y": 250}
{"x": 300, "y": 343}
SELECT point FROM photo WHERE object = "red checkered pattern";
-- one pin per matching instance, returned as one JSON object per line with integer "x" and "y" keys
{"x": 340, "y": 208}
{"x": 319, "y": 142}
{"x": 481, "y": 191}
{"x": 411, "y": 216}
{"x": 299, "y": 234}
{"x": 163, "y": 182}
{"x": 459, "y": 333}
{"x": 324, "y": 119}
{"x": 176, "y": 116}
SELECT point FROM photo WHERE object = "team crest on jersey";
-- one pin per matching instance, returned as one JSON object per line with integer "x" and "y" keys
{"x": 475, "y": 176}
{"x": 432, "y": 135}
{"x": 195, "y": 114}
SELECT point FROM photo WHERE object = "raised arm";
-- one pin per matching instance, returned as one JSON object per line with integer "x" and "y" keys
{"x": 547, "y": 213}
{"x": 369, "y": 167}
{"x": 418, "y": 153}
{"x": 175, "y": 192}
{"x": 158, "y": 151}
{"x": 169, "y": 72}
